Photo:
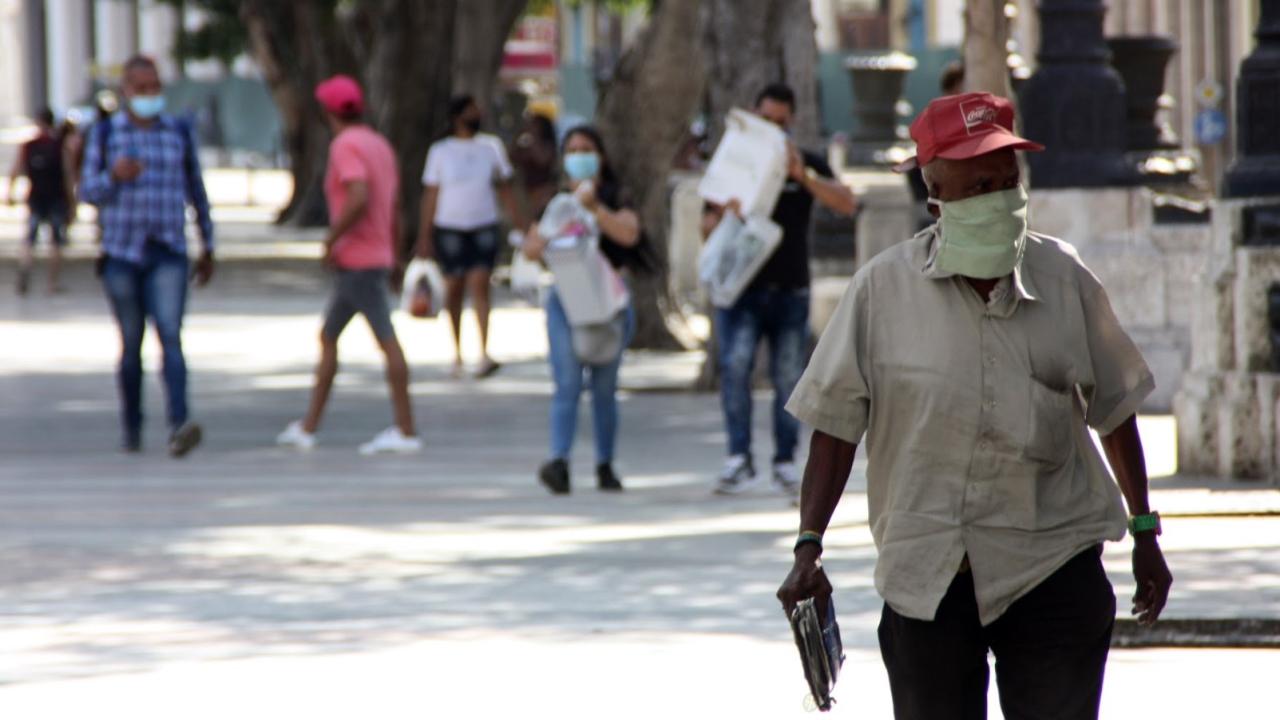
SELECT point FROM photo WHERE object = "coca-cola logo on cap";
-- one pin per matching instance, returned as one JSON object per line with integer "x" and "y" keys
{"x": 975, "y": 114}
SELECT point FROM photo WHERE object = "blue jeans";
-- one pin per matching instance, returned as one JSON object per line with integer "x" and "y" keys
{"x": 780, "y": 316}
{"x": 568, "y": 375}
{"x": 157, "y": 289}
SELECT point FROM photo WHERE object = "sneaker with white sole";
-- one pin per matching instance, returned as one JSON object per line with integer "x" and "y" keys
{"x": 737, "y": 476}
{"x": 786, "y": 478}
{"x": 391, "y": 440}
{"x": 294, "y": 436}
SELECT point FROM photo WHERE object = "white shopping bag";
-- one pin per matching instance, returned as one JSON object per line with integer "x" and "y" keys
{"x": 526, "y": 274}
{"x": 749, "y": 165}
{"x": 590, "y": 290}
{"x": 735, "y": 252}
{"x": 423, "y": 292}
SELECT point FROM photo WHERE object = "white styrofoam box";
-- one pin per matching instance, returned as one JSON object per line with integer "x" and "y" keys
{"x": 750, "y": 165}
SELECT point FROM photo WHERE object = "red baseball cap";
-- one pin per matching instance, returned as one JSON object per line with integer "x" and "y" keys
{"x": 340, "y": 95}
{"x": 958, "y": 127}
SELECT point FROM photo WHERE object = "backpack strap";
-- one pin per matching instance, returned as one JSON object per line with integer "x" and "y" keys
{"x": 104, "y": 138}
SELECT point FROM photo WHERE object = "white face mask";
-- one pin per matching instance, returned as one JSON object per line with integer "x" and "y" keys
{"x": 983, "y": 236}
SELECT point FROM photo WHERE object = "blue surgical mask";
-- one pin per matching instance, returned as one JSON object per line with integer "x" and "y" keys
{"x": 146, "y": 106}
{"x": 582, "y": 165}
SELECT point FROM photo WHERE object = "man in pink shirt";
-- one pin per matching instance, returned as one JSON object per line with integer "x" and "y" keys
{"x": 362, "y": 188}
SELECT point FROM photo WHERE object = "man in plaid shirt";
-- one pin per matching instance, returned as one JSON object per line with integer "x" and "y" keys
{"x": 141, "y": 170}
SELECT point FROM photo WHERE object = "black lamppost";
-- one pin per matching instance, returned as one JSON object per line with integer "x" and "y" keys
{"x": 1256, "y": 170}
{"x": 1075, "y": 101}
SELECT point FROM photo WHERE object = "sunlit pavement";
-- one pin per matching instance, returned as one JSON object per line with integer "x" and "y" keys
{"x": 250, "y": 581}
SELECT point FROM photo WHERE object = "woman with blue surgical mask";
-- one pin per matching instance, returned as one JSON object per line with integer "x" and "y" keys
{"x": 592, "y": 181}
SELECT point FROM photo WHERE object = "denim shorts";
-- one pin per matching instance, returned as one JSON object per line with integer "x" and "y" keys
{"x": 461, "y": 251}
{"x": 359, "y": 291}
{"x": 55, "y": 216}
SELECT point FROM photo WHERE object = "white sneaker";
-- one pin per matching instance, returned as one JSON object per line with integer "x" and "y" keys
{"x": 391, "y": 440}
{"x": 737, "y": 476}
{"x": 294, "y": 436}
{"x": 786, "y": 478}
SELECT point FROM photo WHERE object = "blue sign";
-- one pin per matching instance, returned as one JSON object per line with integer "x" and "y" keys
{"x": 1210, "y": 127}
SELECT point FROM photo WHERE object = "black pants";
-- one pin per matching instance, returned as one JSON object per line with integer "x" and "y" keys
{"x": 1050, "y": 648}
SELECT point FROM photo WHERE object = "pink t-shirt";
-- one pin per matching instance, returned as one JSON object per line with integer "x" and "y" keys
{"x": 359, "y": 153}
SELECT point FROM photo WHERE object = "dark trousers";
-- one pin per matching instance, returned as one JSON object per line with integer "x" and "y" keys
{"x": 156, "y": 288}
{"x": 1050, "y": 648}
{"x": 781, "y": 316}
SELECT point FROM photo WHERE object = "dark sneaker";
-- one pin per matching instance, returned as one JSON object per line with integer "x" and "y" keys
{"x": 606, "y": 480}
{"x": 131, "y": 444}
{"x": 737, "y": 476}
{"x": 185, "y": 439}
{"x": 555, "y": 476}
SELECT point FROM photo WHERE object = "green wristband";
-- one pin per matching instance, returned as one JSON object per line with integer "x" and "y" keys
{"x": 809, "y": 536}
{"x": 1145, "y": 523}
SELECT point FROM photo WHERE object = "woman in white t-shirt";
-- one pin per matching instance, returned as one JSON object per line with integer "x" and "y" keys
{"x": 467, "y": 173}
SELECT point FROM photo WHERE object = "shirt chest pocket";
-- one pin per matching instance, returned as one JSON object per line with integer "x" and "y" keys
{"x": 1049, "y": 423}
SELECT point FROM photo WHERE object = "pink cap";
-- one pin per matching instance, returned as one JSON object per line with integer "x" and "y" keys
{"x": 340, "y": 95}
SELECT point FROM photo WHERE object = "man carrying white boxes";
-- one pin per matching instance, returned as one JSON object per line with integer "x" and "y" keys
{"x": 760, "y": 189}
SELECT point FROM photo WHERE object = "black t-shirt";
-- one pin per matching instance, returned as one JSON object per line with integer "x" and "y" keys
{"x": 789, "y": 266}
{"x": 638, "y": 258}
{"x": 42, "y": 163}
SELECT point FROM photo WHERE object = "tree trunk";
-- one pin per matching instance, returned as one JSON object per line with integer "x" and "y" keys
{"x": 751, "y": 43}
{"x": 986, "y": 30}
{"x": 297, "y": 45}
{"x": 401, "y": 51}
{"x": 406, "y": 50}
{"x": 644, "y": 115}
{"x": 482, "y": 27}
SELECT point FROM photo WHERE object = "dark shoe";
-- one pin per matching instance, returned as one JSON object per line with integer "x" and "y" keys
{"x": 185, "y": 439}
{"x": 24, "y": 281}
{"x": 132, "y": 444}
{"x": 606, "y": 480}
{"x": 555, "y": 476}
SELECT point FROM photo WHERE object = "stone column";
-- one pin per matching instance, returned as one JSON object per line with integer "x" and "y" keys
{"x": 1256, "y": 170}
{"x": 68, "y": 47}
{"x": 115, "y": 33}
{"x": 157, "y": 32}
{"x": 1075, "y": 102}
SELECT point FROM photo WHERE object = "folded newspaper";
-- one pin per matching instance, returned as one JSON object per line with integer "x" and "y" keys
{"x": 821, "y": 651}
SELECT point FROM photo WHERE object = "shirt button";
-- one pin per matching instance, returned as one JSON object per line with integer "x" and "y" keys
{"x": 991, "y": 360}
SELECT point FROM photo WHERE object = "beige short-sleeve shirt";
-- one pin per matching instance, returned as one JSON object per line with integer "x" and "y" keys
{"x": 976, "y": 417}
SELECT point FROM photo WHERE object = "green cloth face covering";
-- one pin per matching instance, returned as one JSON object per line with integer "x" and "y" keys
{"x": 983, "y": 236}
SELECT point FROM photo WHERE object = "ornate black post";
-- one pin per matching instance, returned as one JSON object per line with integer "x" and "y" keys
{"x": 1075, "y": 102}
{"x": 1141, "y": 62}
{"x": 1256, "y": 170}
{"x": 878, "y": 82}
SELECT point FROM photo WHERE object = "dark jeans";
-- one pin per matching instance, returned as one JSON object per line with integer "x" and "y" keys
{"x": 1050, "y": 648}
{"x": 780, "y": 316}
{"x": 157, "y": 288}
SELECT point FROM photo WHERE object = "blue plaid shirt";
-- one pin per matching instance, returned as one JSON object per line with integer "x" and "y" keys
{"x": 153, "y": 205}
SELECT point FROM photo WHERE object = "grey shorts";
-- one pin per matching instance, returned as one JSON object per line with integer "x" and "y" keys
{"x": 359, "y": 291}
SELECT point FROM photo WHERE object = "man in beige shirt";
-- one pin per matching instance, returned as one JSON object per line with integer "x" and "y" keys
{"x": 974, "y": 357}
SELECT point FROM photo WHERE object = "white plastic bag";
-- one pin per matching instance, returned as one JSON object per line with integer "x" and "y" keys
{"x": 749, "y": 165}
{"x": 735, "y": 252}
{"x": 526, "y": 274}
{"x": 423, "y": 282}
{"x": 590, "y": 290}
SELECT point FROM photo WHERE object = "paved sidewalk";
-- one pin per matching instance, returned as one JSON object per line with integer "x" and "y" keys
{"x": 254, "y": 582}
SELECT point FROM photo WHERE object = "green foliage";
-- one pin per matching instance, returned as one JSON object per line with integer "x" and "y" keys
{"x": 221, "y": 37}
{"x": 542, "y": 6}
